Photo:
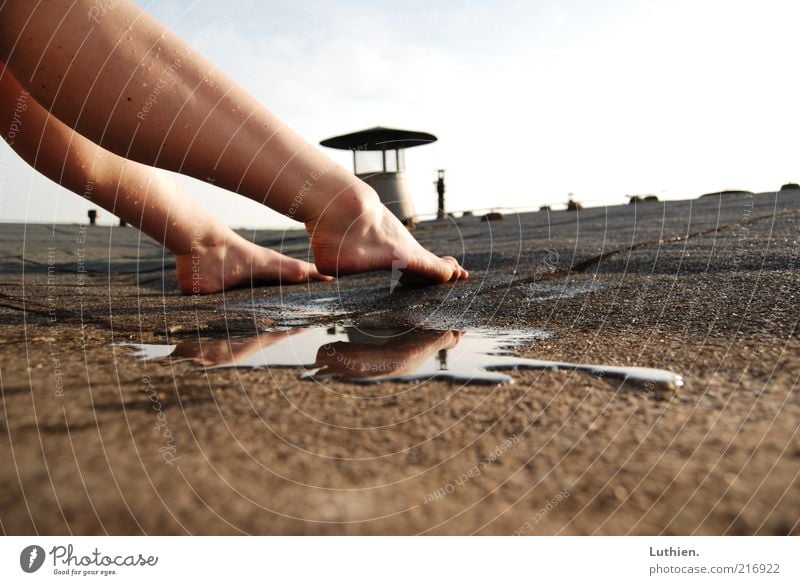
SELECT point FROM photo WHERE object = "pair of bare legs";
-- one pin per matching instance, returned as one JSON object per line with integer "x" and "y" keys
{"x": 209, "y": 256}
{"x": 105, "y": 82}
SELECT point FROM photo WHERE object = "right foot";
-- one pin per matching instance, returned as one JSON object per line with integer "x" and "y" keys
{"x": 400, "y": 355}
{"x": 212, "y": 268}
{"x": 357, "y": 233}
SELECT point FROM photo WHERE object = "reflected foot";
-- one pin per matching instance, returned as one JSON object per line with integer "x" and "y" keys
{"x": 237, "y": 262}
{"x": 226, "y": 352}
{"x": 399, "y": 356}
{"x": 357, "y": 233}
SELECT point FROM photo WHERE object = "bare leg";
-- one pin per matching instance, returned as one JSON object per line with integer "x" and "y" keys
{"x": 209, "y": 256}
{"x": 123, "y": 80}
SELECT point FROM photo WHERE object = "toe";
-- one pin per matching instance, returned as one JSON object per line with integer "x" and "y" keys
{"x": 315, "y": 274}
{"x": 455, "y": 269}
{"x": 294, "y": 271}
{"x": 300, "y": 271}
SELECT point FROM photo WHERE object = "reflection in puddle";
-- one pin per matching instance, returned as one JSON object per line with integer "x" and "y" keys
{"x": 380, "y": 354}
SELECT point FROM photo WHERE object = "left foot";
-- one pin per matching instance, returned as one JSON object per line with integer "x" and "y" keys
{"x": 212, "y": 268}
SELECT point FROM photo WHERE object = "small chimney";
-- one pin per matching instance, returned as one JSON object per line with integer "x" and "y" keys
{"x": 378, "y": 160}
{"x": 440, "y": 211}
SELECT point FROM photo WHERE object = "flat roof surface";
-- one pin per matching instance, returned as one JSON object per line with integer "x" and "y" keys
{"x": 707, "y": 288}
{"x": 379, "y": 138}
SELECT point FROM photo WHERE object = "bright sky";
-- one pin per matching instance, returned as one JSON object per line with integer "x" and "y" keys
{"x": 530, "y": 100}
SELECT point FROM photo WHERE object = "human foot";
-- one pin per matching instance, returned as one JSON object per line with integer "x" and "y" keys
{"x": 357, "y": 233}
{"x": 214, "y": 267}
{"x": 395, "y": 354}
{"x": 227, "y": 352}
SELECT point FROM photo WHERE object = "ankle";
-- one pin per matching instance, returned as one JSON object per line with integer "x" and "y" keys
{"x": 354, "y": 201}
{"x": 359, "y": 198}
{"x": 213, "y": 242}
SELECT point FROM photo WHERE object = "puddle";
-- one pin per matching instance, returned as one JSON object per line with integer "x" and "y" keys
{"x": 392, "y": 353}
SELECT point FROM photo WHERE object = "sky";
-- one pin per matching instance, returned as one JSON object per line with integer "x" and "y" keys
{"x": 531, "y": 100}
